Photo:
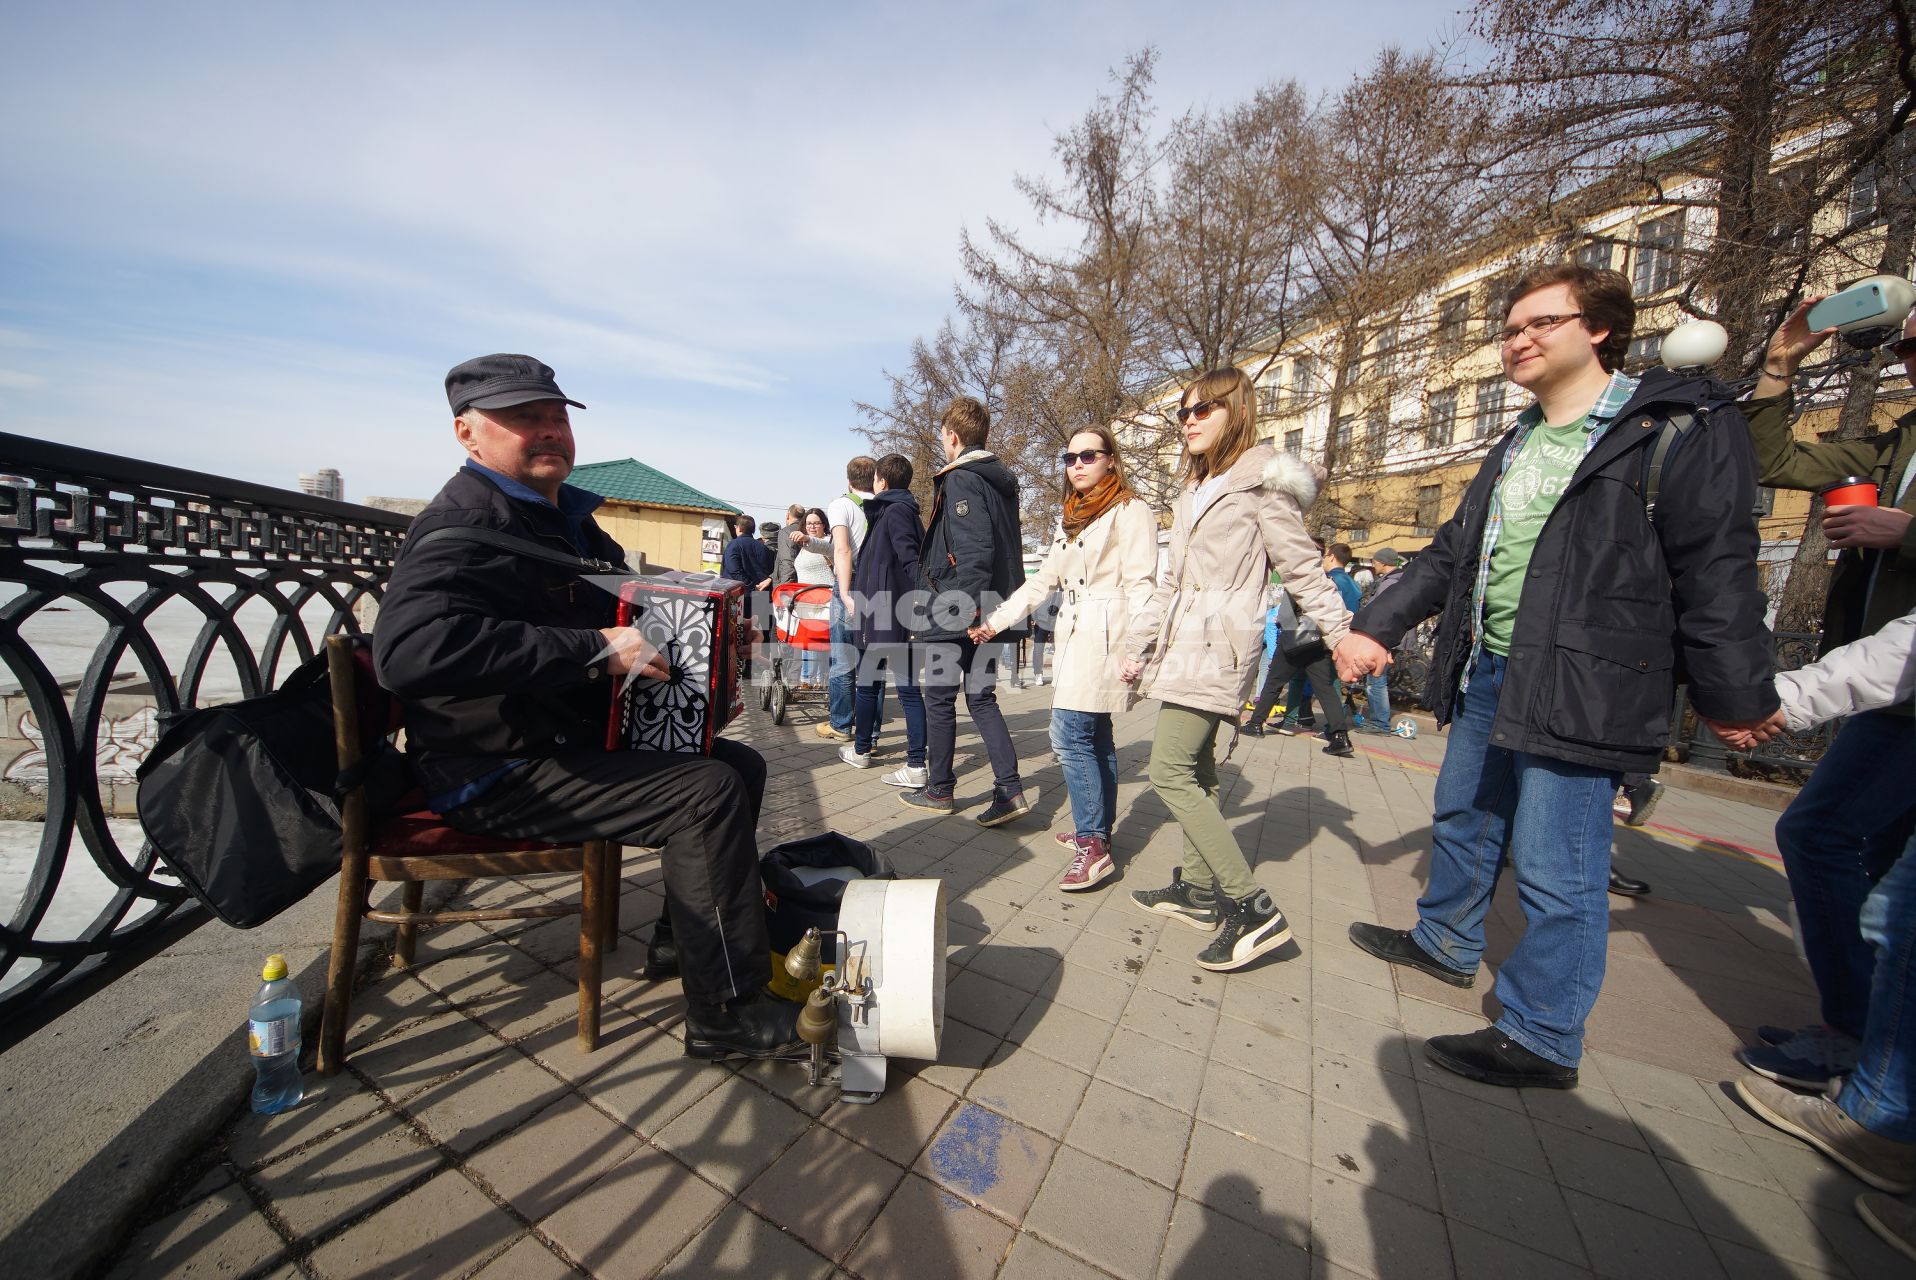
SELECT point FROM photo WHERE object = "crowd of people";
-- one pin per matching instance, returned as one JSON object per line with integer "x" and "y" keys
{"x": 1604, "y": 555}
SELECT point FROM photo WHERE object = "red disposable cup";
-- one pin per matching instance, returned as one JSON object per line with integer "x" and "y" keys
{"x": 1851, "y": 491}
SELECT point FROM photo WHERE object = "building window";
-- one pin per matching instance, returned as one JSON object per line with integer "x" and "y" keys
{"x": 1490, "y": 407}
{"x": 1645, "y": 349}
{"x": 1303, "y": 377}
{"x": 1863, "y": 206}
{"x": 1453, "y": 320}
{"x": 1269, "y": 397}
{"x": 1430, "y": 509}
{"x": 1376, "y": 435}
{"x": 1385, "y": 347}
{"x": 1659, "y": 244}
{"x": 1353, "y": 363}
{"x": 1294, "y": 442}
{"x": 1594, "y": 254}
{"x": 1361, "y": 509}
{"x": 1441, "y": 423}
{"x": 1342, "y": 434}
{"x": 1496, "y": 306}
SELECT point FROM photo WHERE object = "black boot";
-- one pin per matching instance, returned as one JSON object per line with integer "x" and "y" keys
{"x": 758, "y": 1025}
{"x": 1338, "y": 743}
{"x": 662, "y": 956}
{"x": 1626, "y": 887}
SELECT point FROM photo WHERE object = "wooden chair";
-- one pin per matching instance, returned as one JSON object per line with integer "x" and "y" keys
{"x": 412, "y": 848}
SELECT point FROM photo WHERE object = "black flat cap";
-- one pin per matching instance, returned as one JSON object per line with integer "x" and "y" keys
{"x": 501, "y": 381}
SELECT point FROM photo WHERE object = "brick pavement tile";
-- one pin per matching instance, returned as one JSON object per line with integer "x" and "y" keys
{"x": 1362, "y": 1229}
{"x": 446, "y": 1227}
{"x": 1361, "y": 1087}
{"x": 825, "y": 1189}
{"x": 470, "y": 976}
{"x": 900, "y": 1124}
{"x": 395, "y": 1003}
{"x": 740, "y": 1243}
{"x": 638, "y": 1214}
{"x": 343, "y": 1176}
{"x": 1356, "y": 966}
{"x": 1362, "y": 1041}
{"x": 1624, "y": 1242}
{"x": 1260, "y": 1050}
{"x": 1255, "y": 1108}
{"x": 1154, "y": 1069}
{"x": 1116, "y": 918}
{"x": 466, "y": 1110}
{"x": 1204, "y": 1242}
{"x": 1171, "y": 972}
{"x": 329, "y": 1105}
{"x": 1852, "y": 1241}
{"x": 1029, "y": 929}
{"x": 1033, "y": 1259}
{"x": 1132, "y": 1132}
{"x": 1062, "y": 1034}
{"x": 660, "y": 1003}
{"x": 549, "y": 1160}
{"x": 527, "y": 1260}
{"x": 1187, "y": 1020}
{"x": 1073, "y": 910}
{"x": 1643, "y": 1084}
{"x": 1027, "y": 968}
{"x": 985, "y": 1003}
{"x": 647, "y": 1088}
{"x": 1507, "y": 1203}
{"x": 1744, "y": 1263}
{"x": 1627, "y": 1176}
{"x": 1358, "y": 1147}
{"x": 222, "y": 1234}
{"x": 1109, "y": 956}
{"x": 925, "y": 1231}
{"x": 962, "y": 1053}
{"x": 537, "y": 1000}
{"x": 1805, "y": 1174}
{"x": 1115, "y": 1219}
{"x": 1031, "y": 1089}
{"x": 733, "y": 1132}
{"x": 1288, "y": 1011}
{"x": 1482, "y": 1128}
{"x": 788, "y": 1080}
{"x": 988, "y": 1160}
{"x": 400, "y": 1066}
{"x": 1716, "y": 1148}
{"x": 1756, "y": 1217}
{"x": 1592, "y": 1112}
{"x": 1482, "y": 1256}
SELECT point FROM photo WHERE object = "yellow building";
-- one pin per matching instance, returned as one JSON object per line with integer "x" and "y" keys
{"x": 672, "y": 524}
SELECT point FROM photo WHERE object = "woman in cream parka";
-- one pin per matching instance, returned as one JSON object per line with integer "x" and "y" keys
{"x": 1102, "y": 564}
{"x": 1196, "y": 647}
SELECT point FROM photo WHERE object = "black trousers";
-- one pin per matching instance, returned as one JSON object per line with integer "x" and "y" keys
{"x": 949, "y": 667}
{"x": 1323, "y": 681}
{"x": 700, "y": 812}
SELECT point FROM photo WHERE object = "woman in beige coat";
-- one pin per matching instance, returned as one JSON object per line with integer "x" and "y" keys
{"x": 1102, "y": 564}
{"x": 1196, "y": 647}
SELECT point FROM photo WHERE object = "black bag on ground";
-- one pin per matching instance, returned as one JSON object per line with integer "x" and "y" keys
{"x": 240, "y": 800}
{"x": 798, "y": 898}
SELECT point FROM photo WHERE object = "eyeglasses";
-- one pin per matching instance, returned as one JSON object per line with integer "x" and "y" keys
{"x": 1088, "y": 457}
{"x": 1534, "y": 329}
{"x": 1202, "y": 409}
{"x": 1903, "y": 348}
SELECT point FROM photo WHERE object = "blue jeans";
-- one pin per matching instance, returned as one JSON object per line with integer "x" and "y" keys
{"x": 1878, "y": 1093}
{"x": 1841, "y": 833}
{"x": 1089, "y": 758}
{"x": 1377, "y": 702}
{"x": 843, "y": 670}
{"x": 1550, "y": 820}
{"x": 897, "y": 659}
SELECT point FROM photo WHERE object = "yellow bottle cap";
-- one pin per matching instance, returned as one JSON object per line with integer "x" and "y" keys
{"x": 275, "y": 968}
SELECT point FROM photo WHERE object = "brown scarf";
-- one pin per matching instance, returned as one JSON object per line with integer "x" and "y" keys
{"x": 1082, "y": 509}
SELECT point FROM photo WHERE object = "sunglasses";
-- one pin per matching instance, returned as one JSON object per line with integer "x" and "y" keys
{"x": 1088, "y": 457}
{"x": 1201, "y": 409}
{"x": 1903, "y": 348}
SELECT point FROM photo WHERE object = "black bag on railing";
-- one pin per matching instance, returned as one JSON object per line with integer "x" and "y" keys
{"x": 241, "y": 800}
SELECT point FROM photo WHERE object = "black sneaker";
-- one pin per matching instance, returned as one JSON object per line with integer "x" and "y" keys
{"x": 1640, "y": 799}
{"x": 1338, "y": 743}
{"x": 922, "y": 798}
{"x": 1005, "y": 805}
{"x": 1494, "y": 1058}
{"x": 1398, "y": 947}
{"x": 1252, "y": 926}
{"x": 1186, "y": 903}
{"x": 758, "y": 1025}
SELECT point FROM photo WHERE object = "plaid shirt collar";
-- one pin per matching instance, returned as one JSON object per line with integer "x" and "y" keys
{"x": 1602, "y": 414}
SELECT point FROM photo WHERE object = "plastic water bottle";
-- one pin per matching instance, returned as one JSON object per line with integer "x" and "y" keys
{"x": 272, "y": 1034}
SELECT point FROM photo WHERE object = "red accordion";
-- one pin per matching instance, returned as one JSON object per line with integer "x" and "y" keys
{"x": 698, "y": 621}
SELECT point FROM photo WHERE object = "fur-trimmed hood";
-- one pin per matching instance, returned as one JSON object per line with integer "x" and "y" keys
{"x": 1288, "y": 473}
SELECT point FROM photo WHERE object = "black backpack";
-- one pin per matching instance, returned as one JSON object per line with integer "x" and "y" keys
{"x": 241, "y": 800}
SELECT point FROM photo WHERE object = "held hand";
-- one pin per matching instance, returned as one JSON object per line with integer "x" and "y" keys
{"x": 1743, "y": 735}
{"x": 1130, "y": 669}
{"x": 980, "y": 633}
{"x": 1852, "y": 526}
{"x": 1358, "y": 656}
{"x": 630, "y": 652}
{"x": 1791, "y": 343}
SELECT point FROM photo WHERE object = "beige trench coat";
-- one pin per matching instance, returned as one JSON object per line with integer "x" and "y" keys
{"x": 1202, "y": 633}
{"x": 1105, "y": 575}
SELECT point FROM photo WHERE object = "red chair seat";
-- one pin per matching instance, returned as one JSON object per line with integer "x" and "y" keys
{"x": 424, "y": 833}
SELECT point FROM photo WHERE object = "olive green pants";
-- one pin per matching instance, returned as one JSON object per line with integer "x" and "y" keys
{"x": 1184, "y": 774}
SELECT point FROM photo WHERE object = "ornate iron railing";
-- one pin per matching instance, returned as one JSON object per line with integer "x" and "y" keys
{"x": 132, "y": 590}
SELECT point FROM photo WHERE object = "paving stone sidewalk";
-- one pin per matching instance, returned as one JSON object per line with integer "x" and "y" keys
{"x": 1101, "y": 1106}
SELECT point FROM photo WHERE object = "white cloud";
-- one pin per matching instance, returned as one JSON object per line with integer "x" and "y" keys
{"x": 16, "y": 380}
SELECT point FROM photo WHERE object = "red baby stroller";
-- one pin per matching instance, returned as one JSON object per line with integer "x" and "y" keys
{"x": 801, "y": 623}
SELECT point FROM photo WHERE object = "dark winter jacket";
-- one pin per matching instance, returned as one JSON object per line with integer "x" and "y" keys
{"x": 886, "y": 570}
{"x": 495, "y": 655}
{"x": 1614, "y": 613}
{"x": 747, "y": 560}
{"x": 973, "y": 553}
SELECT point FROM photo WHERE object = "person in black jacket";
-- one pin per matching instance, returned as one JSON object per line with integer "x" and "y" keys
{"x": 505, "y": 666}
{"x": 971, "y": 562}
{"x": 747, "y": 559}
{"x": 886, "y": 572}
{"x": 1570, "y": 611}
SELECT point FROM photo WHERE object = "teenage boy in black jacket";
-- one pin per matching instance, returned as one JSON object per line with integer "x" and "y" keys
{"x": 1569, "y": 611}
{"x": 505, "y": 667}
{"x": 886, "y": 573}
{"x": 971, "y": 562}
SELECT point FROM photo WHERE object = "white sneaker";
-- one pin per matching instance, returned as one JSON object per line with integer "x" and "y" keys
{"x": 906, "y": 776}
{"x": 854, "y": 757}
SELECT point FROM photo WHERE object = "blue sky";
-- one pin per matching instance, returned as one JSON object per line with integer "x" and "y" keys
{"x": 251, "y": 239}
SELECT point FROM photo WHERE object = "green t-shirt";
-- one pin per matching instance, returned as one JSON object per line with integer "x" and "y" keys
{"x": 1528, "y": 491}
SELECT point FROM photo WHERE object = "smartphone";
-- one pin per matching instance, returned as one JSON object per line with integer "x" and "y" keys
{"x": 1860, "y": 304}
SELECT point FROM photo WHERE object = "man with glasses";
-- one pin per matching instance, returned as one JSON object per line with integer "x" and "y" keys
{"x": 1856, "y": 812}
{"x": 1567, "y": 616}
